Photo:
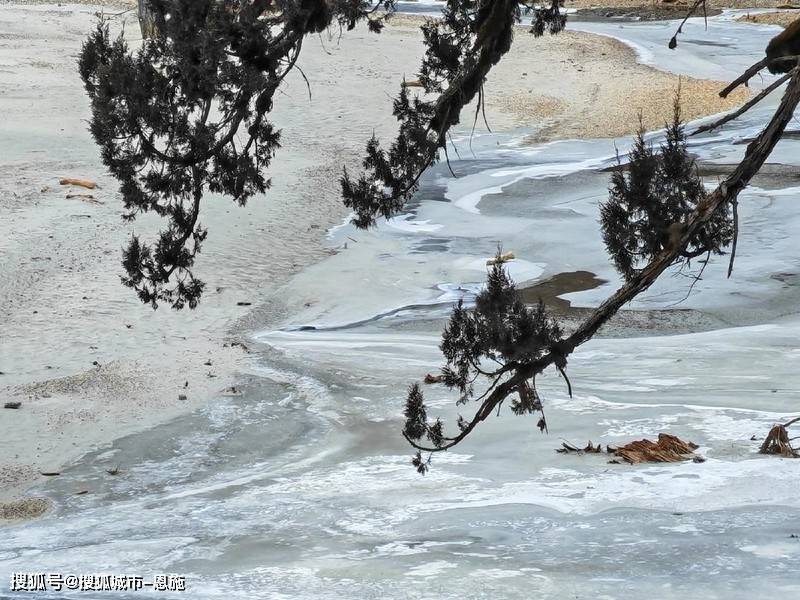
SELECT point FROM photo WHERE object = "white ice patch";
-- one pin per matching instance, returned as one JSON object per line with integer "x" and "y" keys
{"x": 431, "y": 569}
{"x": 408, "y": 224}
{"x": 774, "y": 550}
{"x": 519, "y": 270}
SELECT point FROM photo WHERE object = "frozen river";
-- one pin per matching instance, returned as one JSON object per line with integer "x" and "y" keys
{"x": 302, "y": 487}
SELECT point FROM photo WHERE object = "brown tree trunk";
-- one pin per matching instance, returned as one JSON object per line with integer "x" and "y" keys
{"x": 147, "y": 22}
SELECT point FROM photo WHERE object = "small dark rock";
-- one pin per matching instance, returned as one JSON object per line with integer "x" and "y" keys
{"x": 243, "y": 303}
{"x": 12, "y": 405}
{"x": 182, "y": 397}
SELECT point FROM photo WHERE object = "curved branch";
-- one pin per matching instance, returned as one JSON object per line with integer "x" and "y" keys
{"x": 744, "y": 77}
{"x": 745, "y": 107}
{"x": 757, "y": 153}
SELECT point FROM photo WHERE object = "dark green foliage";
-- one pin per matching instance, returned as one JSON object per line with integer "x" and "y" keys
{"x": 550, "y": 19}
{"x": 420, "y": 464}
{"x": 499, "y": 336}
{"x": 416, "y": 416}
{"x": 169, "y": 117}
{"x": 648, "y": 205}
{"x": 501, "y": 329}
{"x": 461, "y": 48}
{"x": 187, "y": 114}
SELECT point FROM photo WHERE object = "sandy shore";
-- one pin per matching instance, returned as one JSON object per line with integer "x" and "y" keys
{"x": 781, "y": 18}
{"x": 88, "y": 362}
{"x": 588, "y": 77}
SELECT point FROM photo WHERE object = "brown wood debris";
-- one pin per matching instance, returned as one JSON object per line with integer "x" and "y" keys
{"x": 429, "y": 378}
{"x": 500, "y": 259}
{"x": 668, "y": 448}
{"x": 567, "y": 448}
{"x": 87, "y": 183}
{"x": 778, "y": 441}
{"x": 85, "y": 197}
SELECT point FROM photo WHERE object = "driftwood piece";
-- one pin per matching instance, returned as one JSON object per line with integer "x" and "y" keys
{"x": 430, "y": 378}
{"x": 567, "y": 448}
{"x": 668, "y": 448}
{"x": 84, "y": 197}
{"x": 87, "y": 183}
{"x": 778, "y": 441}
{"x": 500, "y": 259}
{"x": 12, "y": 405}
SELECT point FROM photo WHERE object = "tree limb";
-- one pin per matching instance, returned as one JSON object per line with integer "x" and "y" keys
{"x": 744, "y": 77}
{"x": 757, "y": 153}
{"x": 745, "y": 107}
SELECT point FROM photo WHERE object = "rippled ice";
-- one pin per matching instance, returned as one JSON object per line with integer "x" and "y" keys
{"x": 301, "y": 487}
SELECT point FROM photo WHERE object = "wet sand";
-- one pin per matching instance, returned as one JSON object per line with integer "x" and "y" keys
{"x": 651, "y": 12}
{"x": 780, "y": 18}
{"x": 626, "y": 323}
{"x": 550, "y": 290}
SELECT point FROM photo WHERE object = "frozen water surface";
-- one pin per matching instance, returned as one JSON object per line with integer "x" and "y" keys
{"x": 301, "y": 487}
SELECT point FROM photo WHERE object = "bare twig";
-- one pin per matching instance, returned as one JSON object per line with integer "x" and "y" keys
{"x": 735, "y": 205}
{"x": 673, "y": 42}
{"x": 744, "y": 77}
{"x": 745, "y": 107}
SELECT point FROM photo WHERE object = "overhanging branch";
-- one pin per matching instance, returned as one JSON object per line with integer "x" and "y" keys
{"x": 727, "y": 192}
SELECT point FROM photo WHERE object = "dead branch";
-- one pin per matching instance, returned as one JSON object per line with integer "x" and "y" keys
{"x": 778, "y": 441}
{"x": 87, "y": 183}
{"x": 745, "y": 107}
{"x": 500, "y": 258}
{"x": 567, "y": 448}
{"x": 744, "y": 77}
{"x": 752, "y": 70}
{"x": 673, "y": 42}
{"x": 84, "y": 197}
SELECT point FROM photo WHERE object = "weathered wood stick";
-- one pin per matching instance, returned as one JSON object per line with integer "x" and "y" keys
{"x": 87, "y": 183}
